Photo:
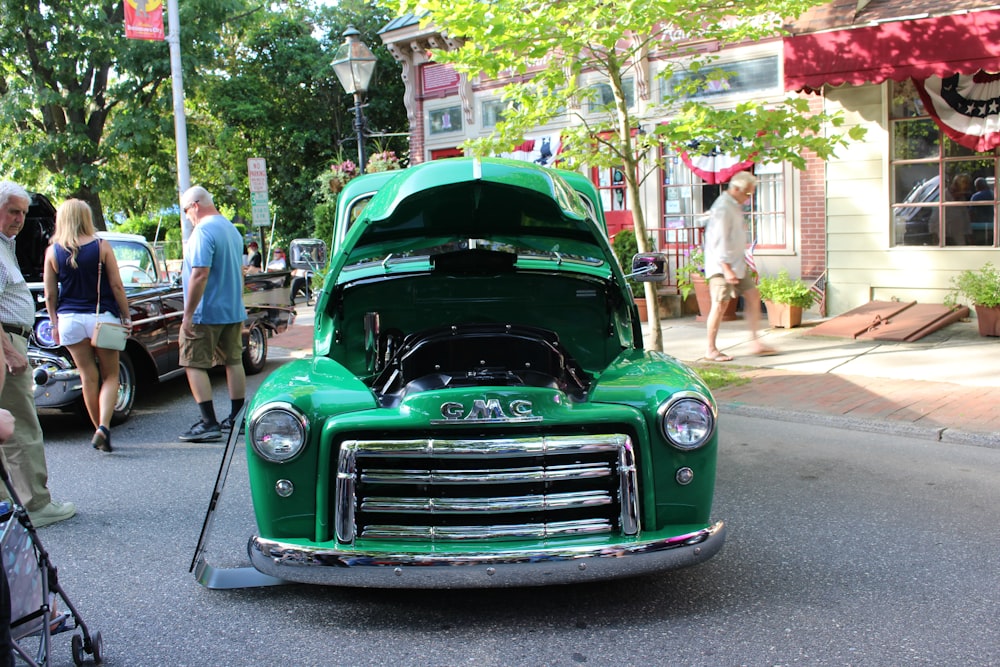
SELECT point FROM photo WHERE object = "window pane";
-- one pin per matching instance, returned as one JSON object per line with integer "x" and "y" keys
{"x": 767, "y": 217}
{"x": 445, "y": 120}
{"x": 906, "y": 102}
{"x": 915, "y": 139}
{"x": 606, "y": 98}
{"x": 493, "y": 112}
{"x": 686, "y": 197}
{"x": 951, "y": 149}
{"x": 917, "y": 190}
{"x": 725, "y": 79}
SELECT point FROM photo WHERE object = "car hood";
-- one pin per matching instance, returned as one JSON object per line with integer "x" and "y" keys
{"x": 499, "y": 201}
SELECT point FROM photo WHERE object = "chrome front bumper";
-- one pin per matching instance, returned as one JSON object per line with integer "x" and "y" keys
{"x": 499, "y": 569}
{"x": 57, "y": 381}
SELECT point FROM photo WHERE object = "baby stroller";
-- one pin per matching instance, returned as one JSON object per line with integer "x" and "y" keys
{"x": 39, "y": 607}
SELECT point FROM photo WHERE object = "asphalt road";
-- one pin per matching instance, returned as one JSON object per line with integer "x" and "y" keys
{"x": 844, "y": 549}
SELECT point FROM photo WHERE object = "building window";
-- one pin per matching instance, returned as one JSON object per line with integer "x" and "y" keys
{"x": 963, "y": 213}
{"x": 493, "y": 112}
{"x": 687, "y": 200}
{"x": 604, "y": 98}
{"x": 756, "y": 75}
{"x": 445, "y": 120}
{"x": 611, "y": 186}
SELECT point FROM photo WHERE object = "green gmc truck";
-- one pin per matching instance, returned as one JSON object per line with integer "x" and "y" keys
{"x": 479, "y": 410}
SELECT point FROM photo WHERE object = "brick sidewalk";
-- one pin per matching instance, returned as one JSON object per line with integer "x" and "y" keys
{"x": 909, "y": 404}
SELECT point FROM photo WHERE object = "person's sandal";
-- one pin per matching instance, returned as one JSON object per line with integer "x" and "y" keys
{"x": 102, "y": 439}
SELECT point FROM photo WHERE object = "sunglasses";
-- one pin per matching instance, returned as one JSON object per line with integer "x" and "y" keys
{"x": 190, "y": 204}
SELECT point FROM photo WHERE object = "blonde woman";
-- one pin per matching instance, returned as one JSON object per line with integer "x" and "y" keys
{"x": 71, "y": 270}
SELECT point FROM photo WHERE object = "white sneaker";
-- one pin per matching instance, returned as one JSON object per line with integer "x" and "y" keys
{"x": 51, "y": 513}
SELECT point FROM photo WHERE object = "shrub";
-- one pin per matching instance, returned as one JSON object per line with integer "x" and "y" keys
{"x": 785, "y": 289}
{"x": 980, "y": 287}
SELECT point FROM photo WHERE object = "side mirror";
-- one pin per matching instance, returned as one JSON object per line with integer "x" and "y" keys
{"x": 308, "y": 254}
{"x": 649, "y": 267}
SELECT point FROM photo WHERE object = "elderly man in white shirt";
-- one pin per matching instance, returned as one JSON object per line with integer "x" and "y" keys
{"x": 725, "y": 264}
{"x": 23, "y": 453}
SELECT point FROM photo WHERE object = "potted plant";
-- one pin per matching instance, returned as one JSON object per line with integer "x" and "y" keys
{"x": 692, "y": 269}
{"x": 785, "y": 298}
{"x": 981, "y": 288}
{"x": 691, "y": 279}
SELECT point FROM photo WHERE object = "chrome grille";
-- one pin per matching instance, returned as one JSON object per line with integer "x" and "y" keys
{"x": 502, "y": 488}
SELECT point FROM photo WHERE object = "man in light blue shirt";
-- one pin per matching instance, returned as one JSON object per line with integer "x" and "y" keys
{"x": 213, "y": 311}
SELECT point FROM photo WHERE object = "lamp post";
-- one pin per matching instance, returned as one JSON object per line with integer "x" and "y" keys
{"x": 354, "y": 65}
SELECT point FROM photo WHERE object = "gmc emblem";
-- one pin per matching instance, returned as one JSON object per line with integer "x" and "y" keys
{"x": 486, "y": 411}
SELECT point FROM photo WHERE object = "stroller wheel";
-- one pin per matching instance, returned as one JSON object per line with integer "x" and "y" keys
{"x": 97, "y": 648}
{"x": 80, "y": 650}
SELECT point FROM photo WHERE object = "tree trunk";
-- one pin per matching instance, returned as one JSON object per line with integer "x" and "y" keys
{"x": 94, "y": 199}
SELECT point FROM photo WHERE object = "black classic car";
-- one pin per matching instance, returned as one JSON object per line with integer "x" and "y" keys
{"x": 156, "y": 305}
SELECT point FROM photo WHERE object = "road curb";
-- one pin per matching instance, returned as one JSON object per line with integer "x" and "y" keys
{"x": 937, "y": 433}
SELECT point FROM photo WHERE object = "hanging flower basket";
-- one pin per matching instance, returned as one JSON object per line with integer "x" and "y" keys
{"x": 341, "y": 173}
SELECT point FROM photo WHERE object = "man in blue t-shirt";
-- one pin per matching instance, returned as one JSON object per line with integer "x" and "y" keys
{"x": 213, "y": 311}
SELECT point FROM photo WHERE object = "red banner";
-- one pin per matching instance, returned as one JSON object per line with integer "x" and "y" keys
{"x": 144, "y": 19}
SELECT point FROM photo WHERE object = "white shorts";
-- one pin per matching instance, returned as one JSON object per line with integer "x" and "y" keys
{"x": 75, "y": 327}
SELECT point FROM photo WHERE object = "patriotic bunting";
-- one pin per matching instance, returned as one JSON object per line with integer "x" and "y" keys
{"x": 966, "y": 107}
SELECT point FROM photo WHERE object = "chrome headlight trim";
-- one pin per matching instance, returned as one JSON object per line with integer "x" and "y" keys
{"x": 278, "y": 432}
{"x": 687, "y": 420}
{"x": 44, "y": 336}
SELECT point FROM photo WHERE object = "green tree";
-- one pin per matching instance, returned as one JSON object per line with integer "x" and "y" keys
{"x": 273, "y": 93}
{"x": 557, "y": 46}
{"x": 77, "y": 97}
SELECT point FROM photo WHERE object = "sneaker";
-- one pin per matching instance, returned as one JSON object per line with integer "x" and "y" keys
{"x": 51, "y": 513}
{"x": 227, "y": 424}
{"x": 202, "y": 432}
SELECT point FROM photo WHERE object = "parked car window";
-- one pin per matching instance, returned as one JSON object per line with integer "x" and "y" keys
{"x": 135, "y": 264}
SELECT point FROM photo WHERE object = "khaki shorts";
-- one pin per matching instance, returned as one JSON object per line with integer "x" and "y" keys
{"x": 725, "y": 291}
{"x": 212, "y": 344}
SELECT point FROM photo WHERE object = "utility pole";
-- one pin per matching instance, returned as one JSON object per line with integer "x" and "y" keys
{"x": 180, "y": 120}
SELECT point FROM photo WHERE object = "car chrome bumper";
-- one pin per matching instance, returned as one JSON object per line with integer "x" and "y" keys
{"x": 313, "y": 565}
{"x": 56, "y": 385}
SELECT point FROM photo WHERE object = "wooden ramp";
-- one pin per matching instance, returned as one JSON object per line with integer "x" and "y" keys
{"x": 890, "y": 321}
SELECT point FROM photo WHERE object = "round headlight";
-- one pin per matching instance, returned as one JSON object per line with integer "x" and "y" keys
{"x": 278, "y": 432}
{"x": 687, "y": 422}
{"x": 44, "y": 335}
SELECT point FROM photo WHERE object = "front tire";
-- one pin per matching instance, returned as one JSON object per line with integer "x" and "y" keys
{"x": 255, "y": 352}
{"x": 126, "y": 390}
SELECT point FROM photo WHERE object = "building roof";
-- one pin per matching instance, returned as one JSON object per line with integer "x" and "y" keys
{"x": 841, "y": 14}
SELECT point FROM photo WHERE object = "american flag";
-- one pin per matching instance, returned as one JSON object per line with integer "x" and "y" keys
{"x": 819, "y": 287}
{"x": 751, "y": 264}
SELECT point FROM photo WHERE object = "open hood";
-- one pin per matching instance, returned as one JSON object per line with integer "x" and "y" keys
{"x": 498, "y": 201}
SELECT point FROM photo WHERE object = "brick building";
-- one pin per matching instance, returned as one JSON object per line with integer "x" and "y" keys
{"x": 872, "y": 218}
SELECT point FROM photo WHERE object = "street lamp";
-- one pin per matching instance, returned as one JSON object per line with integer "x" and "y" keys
{"x": 354, "y": 65}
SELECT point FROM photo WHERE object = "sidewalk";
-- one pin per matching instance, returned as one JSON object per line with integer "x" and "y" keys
{"x": 945, "y": 386}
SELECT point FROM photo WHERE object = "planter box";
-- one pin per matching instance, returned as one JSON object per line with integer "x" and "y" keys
{"x": 782, "y": 315}
{"x": 988, "y": 320}
{"x": 670, "y": 306}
